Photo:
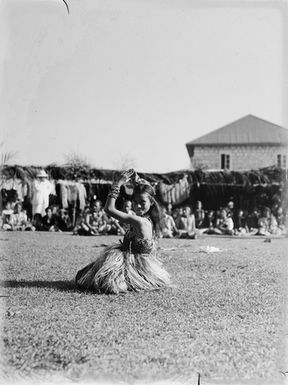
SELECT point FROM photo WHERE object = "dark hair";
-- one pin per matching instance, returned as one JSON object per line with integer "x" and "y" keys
{"x": 266, "y": 210}
{"x": 17, "y": 205}
{"x": 154, "y": 213}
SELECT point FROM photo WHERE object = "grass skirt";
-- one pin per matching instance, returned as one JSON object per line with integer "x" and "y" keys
{"x": 116, "y": 271}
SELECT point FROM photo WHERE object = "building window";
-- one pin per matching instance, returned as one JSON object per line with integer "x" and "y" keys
{"x": 225, "y": 161}
{"x": 281, "y": 161}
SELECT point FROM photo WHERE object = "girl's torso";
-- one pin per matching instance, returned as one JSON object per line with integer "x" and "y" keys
{"x": 139, "y": 240}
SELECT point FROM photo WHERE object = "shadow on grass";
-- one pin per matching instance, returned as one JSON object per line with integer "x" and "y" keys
{"x": 58, "y": 285}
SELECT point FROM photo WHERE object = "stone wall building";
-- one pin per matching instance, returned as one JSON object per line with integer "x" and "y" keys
{"x": 248, "y": 143}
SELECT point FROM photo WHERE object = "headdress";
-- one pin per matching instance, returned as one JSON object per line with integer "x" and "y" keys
{"x": 141, "y": 181}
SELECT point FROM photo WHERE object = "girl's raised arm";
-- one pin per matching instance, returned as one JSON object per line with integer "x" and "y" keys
{"x": 113, "y": 195}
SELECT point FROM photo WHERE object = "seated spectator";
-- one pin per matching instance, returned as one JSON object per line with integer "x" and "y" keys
{"x": 116, "y": 227}
{"x": 111, "y": 226}
{"x": 267, "y": 224}
{"x": 280, "y": 218}
{"x": 37, "y": 222}
{"x": 83, "y": 226}
{"x": 252, "y": 221}
{"x": 177, "y": 213}
{"x": 199, "y": 215}
{"x": 186, "y": 224}
{"x": 224, "y": 224}
{"x": 98, "y": 217}
{"x": 19, "y": 220}
{"x": 48, "y": 221}
{"x": 209, "y": 222}
{"x": 230, "y": 209}
{"x": 169, "y": 227}
{"x": 240, "y": 223}
{"x": 264, "y": 222}
{"x": 210, "y": 219}
{"x": 277, "y": 226}
{"x": 169, "y": 209}
{"x": 101, "y": 223}
{"x": 64, "y": 223}
{"x": 91, "y": 220}
{"x": 96, "y": 205}
{"x": 6, "y": 216}
{"x": 127, "y": 208}
{"x": 95, "y": 221}
{"x": 93, "y": 201}
{"x": 55, "y": 212}
{"x": 98, "y": 211}
{"x": 273, "y": 226}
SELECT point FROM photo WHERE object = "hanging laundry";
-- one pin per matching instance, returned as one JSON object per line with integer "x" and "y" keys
{"x": 21, "y": 187}
{"x": 82, "y": 195}
{"x": 63, "y": 192}
{"x": 175, "y": 194}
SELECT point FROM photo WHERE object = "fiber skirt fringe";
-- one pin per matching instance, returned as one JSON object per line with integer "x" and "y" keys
{"x": 116, "y": 271}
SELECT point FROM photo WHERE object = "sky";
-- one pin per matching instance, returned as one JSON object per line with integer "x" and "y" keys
{"x": 131, "y": 81}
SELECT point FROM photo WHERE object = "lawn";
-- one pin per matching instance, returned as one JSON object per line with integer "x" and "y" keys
{"x": 223, "y": 319}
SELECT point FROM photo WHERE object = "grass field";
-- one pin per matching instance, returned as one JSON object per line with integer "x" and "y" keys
{"x": 224, "y": 319}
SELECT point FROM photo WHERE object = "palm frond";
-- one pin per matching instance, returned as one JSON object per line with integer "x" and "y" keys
{"x": 6, "y": 157}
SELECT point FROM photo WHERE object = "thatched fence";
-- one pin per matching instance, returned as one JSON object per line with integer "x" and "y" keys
{"x": 213, "y": 188}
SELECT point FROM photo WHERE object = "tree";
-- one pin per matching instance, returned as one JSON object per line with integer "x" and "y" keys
{"x": 125, "y": 162}
{"x": 76, "y": 160}
{"x": 5, "y": 156}
{"x": 199, "y": 166}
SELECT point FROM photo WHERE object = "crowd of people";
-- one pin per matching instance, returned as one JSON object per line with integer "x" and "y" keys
{"x": 179, "y": 222}
{"x": 184, "y": 222}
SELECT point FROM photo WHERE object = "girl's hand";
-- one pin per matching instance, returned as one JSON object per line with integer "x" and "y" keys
{"x": 126, "y": 176}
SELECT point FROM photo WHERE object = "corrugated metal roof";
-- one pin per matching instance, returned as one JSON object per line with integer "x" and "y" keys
{"x": 247, "y": 130}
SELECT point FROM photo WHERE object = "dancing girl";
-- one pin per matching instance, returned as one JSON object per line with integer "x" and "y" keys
{"x": 131, "y": 264}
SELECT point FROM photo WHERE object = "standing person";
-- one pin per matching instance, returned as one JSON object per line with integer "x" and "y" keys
{"x": 131, "y": 264}
{"x": 41, "y": 190}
